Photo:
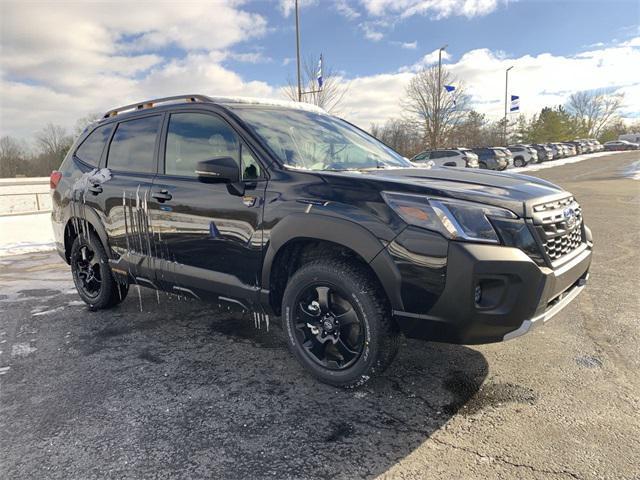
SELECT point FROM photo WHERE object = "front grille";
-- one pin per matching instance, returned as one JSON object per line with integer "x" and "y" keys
{"x": 553, "y": 222}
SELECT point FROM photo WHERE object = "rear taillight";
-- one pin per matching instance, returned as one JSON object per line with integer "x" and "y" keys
{"x": 54, "y": 179}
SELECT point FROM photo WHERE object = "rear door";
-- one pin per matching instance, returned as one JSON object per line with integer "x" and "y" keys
{"x": 132, "y": 159}
{"x": 209, "y": 235}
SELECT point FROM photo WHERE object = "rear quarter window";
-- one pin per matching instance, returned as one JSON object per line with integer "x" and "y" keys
{"x": 133, "y": 145}
{"x": 90, "y": 150}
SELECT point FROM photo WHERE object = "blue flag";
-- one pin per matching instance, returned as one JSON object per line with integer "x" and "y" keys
{"x": 515, "y": 103}
{"x": 451, "y": 89}
{"x": 319, "y": 76}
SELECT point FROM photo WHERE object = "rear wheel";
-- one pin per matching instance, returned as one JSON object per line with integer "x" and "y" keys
{"x": 92, "y": 274}
{"x": 483, "y": 165}
{"x": 338, "y": 325}
{"x": 518, "y": 162}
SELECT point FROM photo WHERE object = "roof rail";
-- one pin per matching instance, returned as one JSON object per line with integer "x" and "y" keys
{"x": 152, "y": 103}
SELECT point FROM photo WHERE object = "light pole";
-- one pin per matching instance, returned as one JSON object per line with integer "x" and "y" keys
{"x": 437, "y": 115}
{"x": 298, "y": 52}
{"x": 506, "y": 90}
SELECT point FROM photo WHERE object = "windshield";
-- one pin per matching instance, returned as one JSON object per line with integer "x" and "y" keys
{"x": 314, "y": 141}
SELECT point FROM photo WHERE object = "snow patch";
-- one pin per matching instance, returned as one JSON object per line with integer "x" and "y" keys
{"x": 47, "y": 312}
{"x": 94, "y": 177}
{"x": 26, "y": 234}
{"x": 22, "y": 350}
{"x": 633, "y": 171}
{"x": 76, "y": 303}
{"x": 564, "y": 161}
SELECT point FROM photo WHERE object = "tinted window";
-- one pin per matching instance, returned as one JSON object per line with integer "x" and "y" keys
{"x": 437, "y": 154}
{"x": 90, "y": 150}
{"x": 194, "y": 137}
{"x": 133, "y": 144}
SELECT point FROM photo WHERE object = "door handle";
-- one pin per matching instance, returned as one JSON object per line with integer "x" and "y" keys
{"x": 162, "y": 196}
{"x": 95, "y": 189}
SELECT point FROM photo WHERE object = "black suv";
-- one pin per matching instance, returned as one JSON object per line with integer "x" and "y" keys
{"x": 281, "y": 210}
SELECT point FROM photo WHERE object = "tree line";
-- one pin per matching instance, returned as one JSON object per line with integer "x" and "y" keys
{"x": 40, "y": 157}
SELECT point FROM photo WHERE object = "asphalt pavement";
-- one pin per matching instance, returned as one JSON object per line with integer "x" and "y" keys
{"x": 162, "y": 387}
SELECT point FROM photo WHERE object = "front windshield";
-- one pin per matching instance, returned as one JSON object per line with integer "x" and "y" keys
{"x": 315, "y": 141}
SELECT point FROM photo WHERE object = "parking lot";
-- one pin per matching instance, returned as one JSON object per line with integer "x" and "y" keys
{"x": 162, "y": 387}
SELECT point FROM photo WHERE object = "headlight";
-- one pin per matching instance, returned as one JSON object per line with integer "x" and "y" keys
{"x": 456, "y": 219}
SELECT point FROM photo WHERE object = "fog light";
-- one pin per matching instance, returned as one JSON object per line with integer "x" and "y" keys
{"x": 477, "y": 294}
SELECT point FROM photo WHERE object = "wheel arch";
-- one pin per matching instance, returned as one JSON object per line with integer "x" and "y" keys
{"x": 76, "y": 224}
{"x": 297, "y": 234}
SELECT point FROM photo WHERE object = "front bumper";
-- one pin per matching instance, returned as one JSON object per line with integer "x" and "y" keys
{"x": 515, "y": 295}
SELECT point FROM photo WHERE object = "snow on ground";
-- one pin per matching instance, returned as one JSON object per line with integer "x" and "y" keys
{"x": 563, "y": 161}
{"x": 26, "y": 233}
{"x": 633, "y": 171}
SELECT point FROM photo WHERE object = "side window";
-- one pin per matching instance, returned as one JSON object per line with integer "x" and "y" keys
{"x": 250, "y": 167}
{"x": 194, "y": 137}
{"x": 133, "y": 144}
{"x": 436, "y": 154}
{"x": 91, "y": 148}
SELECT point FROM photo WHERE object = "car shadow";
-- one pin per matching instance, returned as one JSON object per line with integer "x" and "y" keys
{"x": 181, "y": 389}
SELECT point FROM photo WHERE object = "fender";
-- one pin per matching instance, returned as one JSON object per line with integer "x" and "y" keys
{"x": 337, "y": 230}
{"x": 89, "y": 214}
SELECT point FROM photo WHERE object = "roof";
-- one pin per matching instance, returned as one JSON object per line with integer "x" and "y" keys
{"x": 228, "y": 101}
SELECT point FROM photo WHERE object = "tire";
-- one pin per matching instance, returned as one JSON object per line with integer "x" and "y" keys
{"x": 101, "y": 291}
{"x": 374, "y": 337}
{"x": 518, "y": 162}
{"x": 483, "y": 165}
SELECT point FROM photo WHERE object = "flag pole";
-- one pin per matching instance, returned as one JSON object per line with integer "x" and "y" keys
{"x": 506, "y": 90}
{"x": 298, "y": 52}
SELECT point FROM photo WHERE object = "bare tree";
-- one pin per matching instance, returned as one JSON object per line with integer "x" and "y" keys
{"x": 12, "y": 158}
{"x": 53, "y": 143}
{"x": 84, "y": 122}
{"x": 436, "y": 110}
{"x": 400, "y": 135}
{"x": 329, "y": 97}
{"x": 594, "y": 109}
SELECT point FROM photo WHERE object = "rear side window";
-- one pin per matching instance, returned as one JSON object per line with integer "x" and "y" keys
{"x": 133, "y": 144}
{"x": 90, "y": 151}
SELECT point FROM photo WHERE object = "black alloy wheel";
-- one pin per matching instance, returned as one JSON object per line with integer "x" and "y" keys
{"x": 328, "y": 327}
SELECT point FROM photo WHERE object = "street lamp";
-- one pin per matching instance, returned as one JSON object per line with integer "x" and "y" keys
{"x": 298, "y": 52}
{"x": 506, "y": 90}
{"x": 437, "y": 115}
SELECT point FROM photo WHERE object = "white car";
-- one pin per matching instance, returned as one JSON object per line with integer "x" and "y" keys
{"x": 447, "y": 158}
{"x": 523, "y": 155}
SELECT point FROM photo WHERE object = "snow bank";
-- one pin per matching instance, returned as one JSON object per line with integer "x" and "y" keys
{"x": 26, "y": 233}
{"x": 563, "y": 161}
{"x": 633, "y": 171}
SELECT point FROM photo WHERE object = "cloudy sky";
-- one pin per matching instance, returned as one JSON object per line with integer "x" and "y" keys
{"x": 60, "y": 61}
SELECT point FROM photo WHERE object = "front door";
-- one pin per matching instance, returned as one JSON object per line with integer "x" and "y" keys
{"x": 131, "y": 158}
{"x": 208, "y": 235}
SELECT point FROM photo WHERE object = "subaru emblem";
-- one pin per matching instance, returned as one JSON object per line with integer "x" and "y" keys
{"x": 570, "y": 217}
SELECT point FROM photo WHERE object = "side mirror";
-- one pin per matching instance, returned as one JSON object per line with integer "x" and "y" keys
{"x": 218, "y": 170}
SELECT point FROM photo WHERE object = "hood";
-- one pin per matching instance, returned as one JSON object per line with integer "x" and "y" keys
{"x": 506, "y": 190}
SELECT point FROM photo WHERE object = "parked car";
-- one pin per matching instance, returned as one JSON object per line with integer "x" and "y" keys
{"x": 545, "y": 153}
{"x": 472, "y": 158}
{"x": 491, "y": 158}
{"x": 570, "y": 148}
{"x": 523, "y": 155}
{"x": 557, "y": 150}
{"x": 281, "y": 210}
{"x": 595, "y": 144}
{"x": 580, "y": 146}
{"x": 447, "y": 158}
{"x": 507, "y": 154}
{"x": 618, "y": 145}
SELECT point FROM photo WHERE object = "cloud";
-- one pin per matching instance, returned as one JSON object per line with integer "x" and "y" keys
{"x": 406, "y": 45}
{"x": 372, "y": 31}
{"x": 426, "y": 61}
{"x": 346, "y": 10}
{"x": 287, "y": 7}
{"x": 437, "y": 9}
{"x": 541, "y": 80}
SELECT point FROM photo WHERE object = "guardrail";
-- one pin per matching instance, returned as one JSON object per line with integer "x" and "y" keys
{"x": 20, "y": 196}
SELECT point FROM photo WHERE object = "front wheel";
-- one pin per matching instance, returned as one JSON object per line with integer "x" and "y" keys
{"x": 338, "y": 326}
{"x": 518, "y": 162}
